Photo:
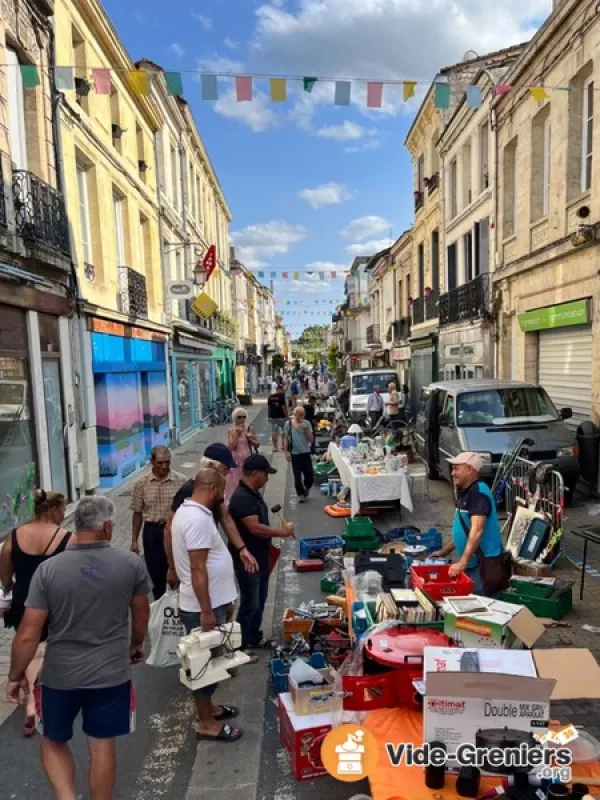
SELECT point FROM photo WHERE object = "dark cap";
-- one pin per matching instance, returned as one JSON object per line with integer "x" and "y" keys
{"x": 258, "y": 463}
{"x": 221, "y": 453}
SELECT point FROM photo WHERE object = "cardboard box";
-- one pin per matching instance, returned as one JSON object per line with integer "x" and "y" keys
{"x": 314, "y": 699}
{"x": 507, "y": 625}
{"x": 458, "y": 704}
{"x": 302, "y": 737}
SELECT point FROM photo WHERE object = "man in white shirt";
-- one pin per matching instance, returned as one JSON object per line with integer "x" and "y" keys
{"x": 207, "y": 588}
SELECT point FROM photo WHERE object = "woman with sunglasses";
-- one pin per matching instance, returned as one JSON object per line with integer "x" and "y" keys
{"x": 243, "y": 442}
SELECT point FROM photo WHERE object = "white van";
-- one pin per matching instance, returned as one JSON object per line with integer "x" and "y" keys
{"x": 362, "y": 383}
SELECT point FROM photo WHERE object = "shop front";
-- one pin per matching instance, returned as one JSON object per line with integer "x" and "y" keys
{"x": 465, "y": 352}
{"x": 194, "y": 386}
{"x": 423, "y": 367}
{"x": 401, "y": 362}
{"x": 224, "y": 366}
{"x": 559, "y": 342}
{"x": 129, "y": 366}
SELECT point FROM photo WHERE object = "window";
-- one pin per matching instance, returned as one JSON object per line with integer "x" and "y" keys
{"x": 482, "y": 247}
{"x": 468, "y": 256}
{"x": 174, "y": 177}
{"x": 484, "y": 157}
{"x": 452, "y": 267}
{"x": 453, "y": 189}
{"x": 588, "y": 136}
{"x": 540, "y": 164}
{"x": 119, "y": 235}
{"x": 466, "y": 173}
{"x": 16, "y": 111}
{"x": 115, "y": 120}
{"x": 547, "y": 166}
{"x": 199, "y": 199}
{"x": 435, "y": 262}
{"x": 510, "y": 188}
{"x": 500, "y": 406}
{"x": 139, "y": 138}
{"x": 421, "y": 256}
{"x": 421, "y": 173}
{"x": 146, "y": 257}
{"x": 84, "y": 216}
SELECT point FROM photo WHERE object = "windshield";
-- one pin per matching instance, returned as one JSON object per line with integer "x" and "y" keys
{"x": 364, "y": 384}
{"x": 504, "y": 407}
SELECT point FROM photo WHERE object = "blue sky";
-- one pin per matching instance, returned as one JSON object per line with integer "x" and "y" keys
{"x": 311, "y": 185}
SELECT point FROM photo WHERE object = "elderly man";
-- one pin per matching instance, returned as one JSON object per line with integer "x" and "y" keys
{"x": 475, "y": 528}
{"x": 86, "y": 595}
{"x": 395, "y": 403}
{"x": 218, "y": 457}
{"x": 251, "y": 515}
{"x": 151, "y": 502}
{"x": 297, "y": 444}
{"x": 375, "y": 406}
{"x": 207, "y": 590}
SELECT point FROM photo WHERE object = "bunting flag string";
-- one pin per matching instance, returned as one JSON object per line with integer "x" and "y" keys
{"x": 297, "y": 275}
{"x": 140, "y": 82}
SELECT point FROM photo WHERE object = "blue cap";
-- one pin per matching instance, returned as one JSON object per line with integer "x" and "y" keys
{"x": 221, "y": 453}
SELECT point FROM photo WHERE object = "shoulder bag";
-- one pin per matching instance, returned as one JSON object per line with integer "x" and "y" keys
{"x": 496, "y": 571}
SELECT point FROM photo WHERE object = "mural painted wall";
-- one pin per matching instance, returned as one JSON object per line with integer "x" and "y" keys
{"x": 131, "y": 404}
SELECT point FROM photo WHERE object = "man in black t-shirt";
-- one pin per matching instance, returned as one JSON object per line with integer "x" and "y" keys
{"x": 278, "y": 411}
{"x": 216, "y": 456}
{"x": 310, "y": 412}
{"x": 251, "y": 515}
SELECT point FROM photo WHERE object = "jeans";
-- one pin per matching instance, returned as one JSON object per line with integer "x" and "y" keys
{"x": 303, "y": 473}
{"x": 474, "y": 573}
{"x": 254, "y": 588}
{"x": 155, "y": 556}
{"x": 193, "y": 619}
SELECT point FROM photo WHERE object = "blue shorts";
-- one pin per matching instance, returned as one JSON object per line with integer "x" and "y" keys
{"x": 106, "y": 713}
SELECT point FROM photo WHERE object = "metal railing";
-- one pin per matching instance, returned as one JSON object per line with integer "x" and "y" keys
{"x": 251, "y": 349}
{"x": 549, "y": 496}
{"x": 419, "y": 201}
{"x": 469, "y": 301}
{"x": 373, "y": 335}
{"x": 133, "y": 292}
{"x": 418, "y": 311}
{"x": 399, "y": 330}
{"x": 431, "y": 305}
{"x": 434, "y": 183}
{"x": 40, "y": 213}
{"x": 3, "y": 218}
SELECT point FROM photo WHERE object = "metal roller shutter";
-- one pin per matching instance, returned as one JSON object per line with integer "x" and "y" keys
{"x": 565, "y": 369}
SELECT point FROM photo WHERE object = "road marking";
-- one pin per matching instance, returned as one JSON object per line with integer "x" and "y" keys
{"x": 578, "y": 562}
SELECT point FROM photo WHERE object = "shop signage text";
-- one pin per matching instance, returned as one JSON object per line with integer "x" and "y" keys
{"x": 562, "y": 316}
{"x": 181, "y": 289}
{"x": 402, "y": 354}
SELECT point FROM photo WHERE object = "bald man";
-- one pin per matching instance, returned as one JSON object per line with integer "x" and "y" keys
{"x": 207, "y": 587}
{"x": 151, "y": 502}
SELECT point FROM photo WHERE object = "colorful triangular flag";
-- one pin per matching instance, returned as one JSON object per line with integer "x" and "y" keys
{"x": 374, "y": 95}
{"x": 442, "y": 95}
{"x": 30, "y": 76}
{"x": 138, "y": 82}
{"x": 208, "y": 87}
{"x": 342, "y": 93}
{"x": 261, "y": 274}
{"x": 174, "y": 84}
{"x": 296, "y": 276}
{"x": 474, "y": 99}
{"x": 102, "y": 82}
{"x": 500, "y": 89}
{"x": 322, "y": 276}
{"x": 334, "y": 274}
{"x": 278, "y": 90}
{"x": 64, "y": 78}
{"x": 284, "y": 275}
{"x": 409, "y": 89}
{"x": 308, "y": 84}
{"x": 539, "y": 93}
{"x": 243, "y": 88}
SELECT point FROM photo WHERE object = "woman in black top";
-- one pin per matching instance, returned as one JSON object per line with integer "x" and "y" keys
{"x": 24, "y": 550}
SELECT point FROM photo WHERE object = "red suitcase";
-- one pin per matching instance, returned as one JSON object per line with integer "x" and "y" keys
{"x": 309, "y": 565}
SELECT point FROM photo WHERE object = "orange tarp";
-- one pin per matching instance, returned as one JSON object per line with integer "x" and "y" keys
{"x": 407, "y": 783}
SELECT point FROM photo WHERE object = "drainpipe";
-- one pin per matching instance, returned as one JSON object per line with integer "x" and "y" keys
{"x": 496, "y": 317}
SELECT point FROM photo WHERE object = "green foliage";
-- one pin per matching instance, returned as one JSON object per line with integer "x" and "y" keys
{"x": 332, "y": 357}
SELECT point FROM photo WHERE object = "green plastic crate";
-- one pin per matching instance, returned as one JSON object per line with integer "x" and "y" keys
{"x": 355, "y": 545}
{"x": 360, "y": 527}
{"x": 541, "y": 606}
{"x": 330, "y": 587}
{"x": 530, "y": 589}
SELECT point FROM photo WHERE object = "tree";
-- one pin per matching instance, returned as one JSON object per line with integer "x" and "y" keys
{"x": 311, "y": 343}
{"x": 278, "y": 362}
{"x": 332, "y": 357}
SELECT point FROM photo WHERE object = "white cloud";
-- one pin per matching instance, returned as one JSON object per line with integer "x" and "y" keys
{"x": 368, "y": 248}
{"x": 336, "y": 36}
{"x": 342, "y": 133}
{"x": 230, "y": 43}
{"x": 257, "y": 114}
{"x": 177, "y": 50}
{"x": 220, "y": 65}
{"x": 326, "y": 266}
{"x": 329, "y": 194}
{"x": 370, "y": 144}
{"x": 256, "y": 245}
{"x": 205, "y": 22}
{"x": 366, "y": 227}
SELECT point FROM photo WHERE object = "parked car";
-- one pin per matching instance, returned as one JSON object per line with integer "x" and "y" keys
{"x": 489, "y": 417}
{"x": 362, "y": 383}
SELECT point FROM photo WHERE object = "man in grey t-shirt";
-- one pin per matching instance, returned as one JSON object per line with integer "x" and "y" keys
{"x": 86, "y": 595}
{"x": 297, "y": 443}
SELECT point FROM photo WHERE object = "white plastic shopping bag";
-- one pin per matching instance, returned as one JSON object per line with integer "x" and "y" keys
{"x": 165, "y": 630}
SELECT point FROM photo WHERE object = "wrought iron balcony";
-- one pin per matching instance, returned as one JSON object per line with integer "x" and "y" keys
{"x": 418, "y": 311}
{"x": 3, "y": 218}
{"x": 431, "y": 305}
{"x": 399, "y": 330}
{"x": 469, "y": 301}
{"x": 133, "y": 293}
{"x": 251, "y": 349}
{"x": 40, "y": 213}
{"x": 373, "y": 335}
{"x": 433, "y": 183}
{"x": 348, "y": 346}
{"x": 224, "y": 325}
{"x": 240, "y": 359}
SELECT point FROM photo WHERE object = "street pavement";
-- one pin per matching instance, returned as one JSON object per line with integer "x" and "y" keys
{"x": 163, "y": 760}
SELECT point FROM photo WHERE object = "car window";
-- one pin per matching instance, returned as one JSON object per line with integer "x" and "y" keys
{"x": 450, "y": 406}
{"x": 503, "y": 406}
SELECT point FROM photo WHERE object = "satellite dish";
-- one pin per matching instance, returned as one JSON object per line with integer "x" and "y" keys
{"x": 470, "y": 55}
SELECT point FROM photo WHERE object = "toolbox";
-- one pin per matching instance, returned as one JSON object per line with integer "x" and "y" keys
{"x": 314, "y": 546}
{"x": 309, "y": 565}
{"x": 438, "y": 584}
{"x": 391, "y": 567}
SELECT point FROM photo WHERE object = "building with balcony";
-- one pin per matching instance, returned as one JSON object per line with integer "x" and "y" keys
{"x": 38, "y": 439}
{"x": 549, "y": 214}
{"x": 381, "y": 292}
{"x": 107, "y": 144}
{"x": 468, "y": 176}
{"x": 193, "y": 216}
{"x": 398, "y": 332}
{"x": 357, "y": 315}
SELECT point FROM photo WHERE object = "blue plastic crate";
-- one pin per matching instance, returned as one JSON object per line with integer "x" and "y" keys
{"x": 280, "y": 670}
{"x": 319, "y": 543}
{"x": 432, "y": 539}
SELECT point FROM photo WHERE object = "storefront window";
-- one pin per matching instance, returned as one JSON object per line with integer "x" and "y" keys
{"x": 18, "y": 473}
{"x": 184, "y": 398}
{"x": 204, "y": 387}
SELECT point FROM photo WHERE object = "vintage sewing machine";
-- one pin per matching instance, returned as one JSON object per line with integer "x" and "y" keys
{"x": 207, "y": 657}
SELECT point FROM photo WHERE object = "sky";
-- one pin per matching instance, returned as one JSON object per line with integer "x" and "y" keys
{"x": 311, "y": 185}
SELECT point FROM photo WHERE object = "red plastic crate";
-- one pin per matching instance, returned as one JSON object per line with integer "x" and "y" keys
{"x": 438, "y": 584}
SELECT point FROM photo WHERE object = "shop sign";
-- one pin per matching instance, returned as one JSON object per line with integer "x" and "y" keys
{"x": 562, "y": 316}
{"x": 180, "y": 289}
{"x": 402, "y": 354}
{"x": 204, "y": 306}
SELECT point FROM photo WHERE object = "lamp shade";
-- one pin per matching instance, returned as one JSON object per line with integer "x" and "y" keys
{"x": 355, "y": 429}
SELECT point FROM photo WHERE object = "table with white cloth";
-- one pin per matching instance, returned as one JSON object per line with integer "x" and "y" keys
{"x": 384, "y": 487}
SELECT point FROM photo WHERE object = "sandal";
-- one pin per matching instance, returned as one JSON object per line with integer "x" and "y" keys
{"x": 226, "y": 734}
{"x": 227, "y": 712}
{"x": 252, "y": 656}
{"x": 29, "y": 728}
